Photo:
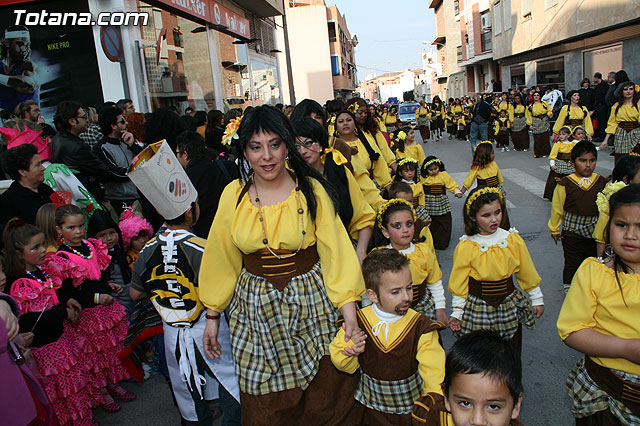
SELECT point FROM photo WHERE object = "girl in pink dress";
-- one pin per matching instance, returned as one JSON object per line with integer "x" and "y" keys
{"x": 48, "y": 316}
{"x": 103, "y": 321}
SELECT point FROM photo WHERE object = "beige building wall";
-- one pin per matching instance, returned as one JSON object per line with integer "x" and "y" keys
{"x": 446, "y": 25}
{"x": 552, "y": 21}
{"x": 347, "y": 78}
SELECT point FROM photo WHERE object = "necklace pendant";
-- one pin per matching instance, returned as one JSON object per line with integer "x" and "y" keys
{"x": 265, "y": 242}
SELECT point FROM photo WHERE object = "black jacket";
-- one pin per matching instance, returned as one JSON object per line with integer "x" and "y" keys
{"x": 18, "y": 201}
{"x": 600, "y": 92}
{"x": 209, "y": 179}
{"x": 481, "y": 112}
{"x": 587, "y": 98}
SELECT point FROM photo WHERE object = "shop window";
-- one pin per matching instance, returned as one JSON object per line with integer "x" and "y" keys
{"x": 335, "y": 66}
{"x": 332, "y": 31}
{"x": 602, "y": 60}
{"x": 550, "y": 71}
{"x": 517, "y": 75}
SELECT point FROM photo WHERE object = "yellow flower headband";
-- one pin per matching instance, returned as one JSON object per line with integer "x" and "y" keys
{"x": 390, "y": 203}
{"x": 432, "y": 161}
{"x": 636, "y": 88}
{"x": 489, "y": 142}
{"x": 569, "y": 128}
{"x": 401, "y": 135}
{"x": 573, "y": 131}
{"x": 354, "y": 107}
{"x": 634, "y": 153}
{"x": 602, "y": 199}
{"x": 486, "y": 190}
{"x": 407, "y": 160}
{"x": 231, "y": 131}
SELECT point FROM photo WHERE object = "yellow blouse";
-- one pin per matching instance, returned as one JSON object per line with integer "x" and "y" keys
{"x": 380, "y": 141}
{"x": 417, "y": 191}
{"x": 237, "y": 230}
{"x": 601, "y": 225}
{"x": 414, "y": 151}
{"x": 424, "y": 265}
{"x": 561, "y": 148}
{"x": 595, "y": 301}
{"x": 574, "y": 113}
{"x": 368, "y": 188}
{"x": 363, "y": 214}
{"x": 381, "y": 125}
{"x": 518, "y": 109}
{"x": 501, "y": 123}
{"x": 457, "y": 109}
{"x": 379, "y": 167}
{"x": 390, "y": 118}
{"x": 489, "y": 171}
{"x": 439, "y": 111}
{"x": 422, "y": 112}
{"x": 492, "y": 262}
{"x": 430, "y": 355}
{"x": 538, "y": 109}
{"x": 506, "y": 107}
{"x": 557, "y": 203}
{"x": 442, "y": 178}
{"x": 625, "y": 113}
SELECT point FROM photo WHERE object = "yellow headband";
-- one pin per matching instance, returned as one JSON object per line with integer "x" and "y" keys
{"x": 489, "y": 142}
{"x": 407, "y": 160}
{"x": 231, "y": 131}
{"x": 634, "y": 153}
{"x": 573, "y": 131}
{"x": 486, "y": 190}
{"x": 390, "y": 203}
{"x": 354, "y": 107}
{"x": 401, "y": 135}
{"x": 432, "y": 161}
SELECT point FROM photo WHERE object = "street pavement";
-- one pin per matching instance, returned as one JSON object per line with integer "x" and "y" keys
{"x": 546, "y": 360}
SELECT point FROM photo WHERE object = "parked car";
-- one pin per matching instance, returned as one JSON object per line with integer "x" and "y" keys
{"x": 407, "y": 112}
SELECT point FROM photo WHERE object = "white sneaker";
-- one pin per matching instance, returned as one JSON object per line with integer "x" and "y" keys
{"x": 525, "y": 150}
{"x": 507, "y": 149}
{"x": 502, "y": 150}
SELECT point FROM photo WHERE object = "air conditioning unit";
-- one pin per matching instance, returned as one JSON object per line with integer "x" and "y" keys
{"x": 485, "y": 21}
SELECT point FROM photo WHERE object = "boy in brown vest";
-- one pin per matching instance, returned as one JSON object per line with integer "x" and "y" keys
{"x": 402, "y": 358}
{"x": 574, "y": 207}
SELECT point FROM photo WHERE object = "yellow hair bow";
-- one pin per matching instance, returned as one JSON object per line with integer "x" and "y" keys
{"x": 337, "y": 156}
{"x": 602, "y": 199}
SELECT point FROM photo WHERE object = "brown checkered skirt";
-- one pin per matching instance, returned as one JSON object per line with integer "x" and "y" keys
{"x": 479, "y": 315}
{"x": 519, "y": 123}
{"x": 423, "y": 214}
{"x": 437, "y": 205}
{"x": 564, "y": 167}
{"x": 389, "y": 396}
{"x": 588, "y": 399}
{"x": 278, "y": 337}
{"x": 426, "y": 306}
{"x": 539, "y": 125}
{"x": 580, "y": 225}
{"x": 625, "y": 140}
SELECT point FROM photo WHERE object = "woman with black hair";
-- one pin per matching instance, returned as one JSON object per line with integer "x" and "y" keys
{"x": 356, "y": 214}
{"x": 624, "y": 120}
{"x": 574, "y": 115}
{"x": 538, "y": 115}
{"x": 437, "y": 111}
{"x": 281, "y": 266}
{"x": 519, "y": 133}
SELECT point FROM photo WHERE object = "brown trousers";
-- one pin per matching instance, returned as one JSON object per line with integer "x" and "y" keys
{"x": 441, "y": 231}
{"x": 520, "y": 139}
{"x": 541, "y": 145}
{"x": 576, "y": 249}
{"x": 425, "y": 134}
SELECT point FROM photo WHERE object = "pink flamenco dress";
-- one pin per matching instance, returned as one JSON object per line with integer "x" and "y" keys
{"x": 57, "y": 348}
{"x": 103, "y": 327}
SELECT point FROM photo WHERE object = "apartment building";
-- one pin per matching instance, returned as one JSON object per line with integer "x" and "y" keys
{"x": 324, "y": 51}
{"x": 540, "y": 42}
{"x": 452, "y": 81}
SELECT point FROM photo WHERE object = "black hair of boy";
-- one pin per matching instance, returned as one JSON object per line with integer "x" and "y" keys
{"x": 396, "y": 188}
{"x": 484, "y": 352}
{"x": 581, "y": 148}
{"x": 380, "y": 261}
{"x": 192, "y": 143}
{"x": 182, "y": 219}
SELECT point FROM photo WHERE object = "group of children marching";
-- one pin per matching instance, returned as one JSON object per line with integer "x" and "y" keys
{"x": 73, "y": 298}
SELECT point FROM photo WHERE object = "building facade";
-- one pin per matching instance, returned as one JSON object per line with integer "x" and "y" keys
{"x": 452, "y": 81}
{"x": 324, "y": 50}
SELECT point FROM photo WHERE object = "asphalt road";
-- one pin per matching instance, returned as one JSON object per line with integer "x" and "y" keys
{"x": 546, "y": 360}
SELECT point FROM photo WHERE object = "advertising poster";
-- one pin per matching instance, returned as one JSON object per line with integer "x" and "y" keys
{"x": 47, "y": 63}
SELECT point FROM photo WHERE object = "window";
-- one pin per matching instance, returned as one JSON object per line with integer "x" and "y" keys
{"x": 506, "y": 5}
{"x": 550, "y": 3}
{"x": 459, "y": 53}
{"x": 456, "y": 6}
{"x": 485, "y": 41}
{"x": 179, "y": 56}
{"x": 525, "y": 9}
{"x": 550, "y": 71}
{"x": 497, "y": 17}
{"x": 332, "y": 31}
{"x": 602, "y": 60}
{"x": 335, "y": 65}
{"x": 517, "y": 75}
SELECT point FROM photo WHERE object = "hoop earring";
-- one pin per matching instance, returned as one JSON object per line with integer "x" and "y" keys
{"x": 608, "y": 251}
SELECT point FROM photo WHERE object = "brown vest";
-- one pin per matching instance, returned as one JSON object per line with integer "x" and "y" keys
{"x": 579, "y": 201}
{"x": 397, "y": 361}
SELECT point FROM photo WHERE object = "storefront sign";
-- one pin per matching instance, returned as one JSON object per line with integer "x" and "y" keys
{"x": 236, "y": 24}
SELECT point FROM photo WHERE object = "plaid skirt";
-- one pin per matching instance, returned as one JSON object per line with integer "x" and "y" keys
{"x": 564, "y": 167}
{"x": 278, "y": 338}
{"x": 519, "y": 123}
{"x": 437, "y": 205}
{"x": 587, "y": 398}
{"x": 580, "y": 225}
{"x": 426, "y": 306}
{"x": 389, "y": 396}
{"x": 479, "y": 315}
{"x": 423, "y": 214}
{"x": 625, "y": 140}
{"x": 539, "y": 125}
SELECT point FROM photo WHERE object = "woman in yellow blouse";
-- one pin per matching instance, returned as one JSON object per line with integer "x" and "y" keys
{"x": 437, "y": 111}
{"x": 624, "y": 121}
{"x": 519, "y": 132}
{"x": 504, "y": 104}
{"x": 368, "y": 127}
{"x": 455, "y": 114}
{"x": 390, "y": 118}
{"x": 538, "y": 115}
{"x": 356, "y": 214}
{"x": 407, "y": 145}
{"x": 574, "y": 115}
{"x": 422, "y": 121}
{"x": 282, "y": 320}
{"x": 599, "y": 317}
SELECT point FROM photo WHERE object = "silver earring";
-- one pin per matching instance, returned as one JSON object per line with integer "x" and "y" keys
{"x": 608, "y": 251}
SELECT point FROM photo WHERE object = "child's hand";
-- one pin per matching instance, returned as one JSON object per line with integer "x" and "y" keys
{"x": 28, "y": 338}
{"x": 454, "y": 324}
{"x": 458, "y": 194}
{"x": 553, "y": 167}
{"x": 117, "y": 288}
{"x": 105, "y": 299}
{"x": 556, "y": 238}
{"x": 73, "y": 316}
{"x": 442, "y": 316}
{"x": 359, "y": 339}
{"x": 538, "y": 311}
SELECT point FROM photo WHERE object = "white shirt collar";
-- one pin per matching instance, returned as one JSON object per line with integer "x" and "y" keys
{"x": 490, "y": 240}
{"x": 406, "y": 251}
{"x": 385, "y": 318}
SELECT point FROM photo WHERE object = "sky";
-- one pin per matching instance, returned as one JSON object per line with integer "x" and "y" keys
{"x": 390, "y": 33}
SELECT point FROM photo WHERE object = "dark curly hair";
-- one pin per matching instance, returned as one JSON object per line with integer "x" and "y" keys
{"x": 162, "y": 124}
{"x": 18, "y": 158}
